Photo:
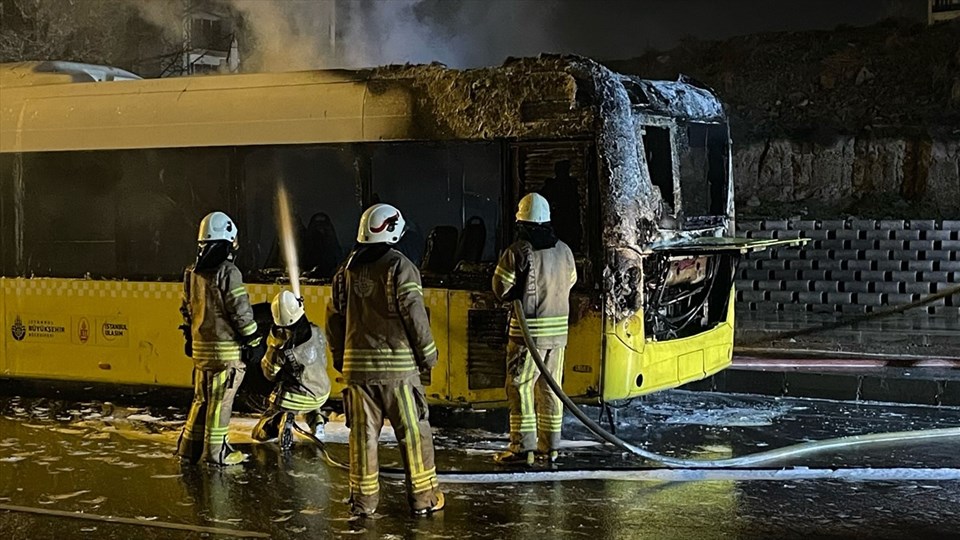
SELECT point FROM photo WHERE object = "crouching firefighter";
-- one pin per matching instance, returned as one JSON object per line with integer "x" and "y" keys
{"x": 218, "y": 327}
{"x": 380, "y": 338}
{"x": 296, "y": 361}
{"x": 539, "y": 270}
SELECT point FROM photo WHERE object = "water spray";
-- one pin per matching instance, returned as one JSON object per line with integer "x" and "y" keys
{"x": 288, "y": 240}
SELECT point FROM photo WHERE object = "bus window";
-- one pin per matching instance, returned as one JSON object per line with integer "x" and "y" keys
{"x": 703, "y": 171}
{"x": 559, "y": 172}
{"x": 139, "y": 217}
{"x": 448, "y": 194}
{"x": 659, "y": 154}
{"x": 324, "y": 191}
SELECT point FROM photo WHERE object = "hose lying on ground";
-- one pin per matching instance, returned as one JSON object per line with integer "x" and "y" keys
{"x": 744, "y": 461}
{"x": 758, "y": 464}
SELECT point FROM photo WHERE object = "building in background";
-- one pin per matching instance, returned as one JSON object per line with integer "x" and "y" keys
{"x": 942, "y": 10}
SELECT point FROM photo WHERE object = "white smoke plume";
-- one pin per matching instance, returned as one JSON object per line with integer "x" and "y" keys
{"x": 309, "y": 34}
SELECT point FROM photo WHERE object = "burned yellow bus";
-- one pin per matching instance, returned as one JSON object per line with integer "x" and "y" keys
{"x": 103, "y": 182}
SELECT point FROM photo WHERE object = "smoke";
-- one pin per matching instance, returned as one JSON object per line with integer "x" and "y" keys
{"x": 280, "y": 35}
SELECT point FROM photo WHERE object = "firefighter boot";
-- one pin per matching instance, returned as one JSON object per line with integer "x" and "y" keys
{"x": 286, "y": 432}
{"x": 515, "y": 458}
{"x": 316, "y": 422}
{"x": 437, "y": 506}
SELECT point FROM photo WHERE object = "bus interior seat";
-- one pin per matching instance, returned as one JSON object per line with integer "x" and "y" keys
{"x": 441, "y": 250}
{"x": 321, "y": 250}
{"x": 473, "y": 239}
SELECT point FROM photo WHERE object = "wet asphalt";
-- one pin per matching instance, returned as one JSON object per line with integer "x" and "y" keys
{"x": 72, "y": 469}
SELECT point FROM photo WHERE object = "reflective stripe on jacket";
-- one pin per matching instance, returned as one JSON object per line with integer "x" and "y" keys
{"x": 217, "y": 308}
{"x": 313, "y": 383}
{"x": 542, "y": 280}
{"x": 377, "y": 324}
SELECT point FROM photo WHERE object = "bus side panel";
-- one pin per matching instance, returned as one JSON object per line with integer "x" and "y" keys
{"x": 6, "y": 331}
{"x": 101, "y": 331}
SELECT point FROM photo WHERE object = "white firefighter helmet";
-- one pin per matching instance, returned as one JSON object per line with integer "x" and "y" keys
{"x": 217, "y": 226}
{"x": 286, "y": 308}
{"x": 381, "y": 223}
{"x": 533, "y": 208}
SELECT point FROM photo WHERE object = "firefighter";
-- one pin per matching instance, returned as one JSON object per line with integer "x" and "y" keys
{"x": 380, "y": 337}
{"x": 296, "y": 360}
{"x": 218, "y": 327}
{"x": 539, "y": 270}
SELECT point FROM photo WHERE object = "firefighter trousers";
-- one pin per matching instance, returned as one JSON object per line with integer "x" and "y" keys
{"x": 536, "y": 413}
{"x": 204, "y": 436}
{"x": 404, "y": 404}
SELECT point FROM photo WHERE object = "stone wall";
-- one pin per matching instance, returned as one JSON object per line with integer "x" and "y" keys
{"x": 875, "y": 178}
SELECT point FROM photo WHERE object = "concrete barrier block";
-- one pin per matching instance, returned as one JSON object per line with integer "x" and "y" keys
{"x": 833, "y": 245}
{"x": 754, "y": 274}
{"x": 856, "y": 264}
{"x": 873, "y": 275}
{"x": 817, "y": 254}
{"x": 793, "y": 307}
{"x": 803, "y": 225}
{"x": 863, "y": 245}
{"x": 950, "y": 225}
{"x": 892, "y": 244}
{"x": 940, "y": 287}
{"x": 889, "y": 266}
{"x": 798, "y": 285}
{"x": 839, "y": 298}
{"x": 854, "y": 286}
{"x": 773, "y": 264}
{"x": 833, "y": 224}
{"x": 824, "y": 286}
{"x": 774, "y": 225}
{"x": 811, "y": 297}
{"x": 782, "y": 297}
{"x": 905, "y": 276}
{"x": 935, "y": 276}
{"x": 863, "y": 224}
{"x": 937, "y": 235}
{"x": 787, "y": 235}
{"x": 891, "y": 224}
{"x": 877, "y": 254}
{"x": 768, "y": 285}
{"x": 813, "y": 274}
{"x": 888, "y": 287}
{"x": 844, "y": 254}
{"x": 894, "y": 300}
{"x": 762, "y": 235}
{"x": 946, "y": 310}
{"x": 800, "y": 264}
{"x": 752, "y": 296}
{"x": 785, "y": 275}
{"x": 786, "y": 253}
{"x": 922, "y": 224}
{"x": 907, "y": 255}
{"x": 829, "y": 264}
{"x": 748, "y": 225}
{"x": 948, "y": 245}
{"x": 919, "y": 245}
{"x": 919, "y": 287}
{"x": 948, "y": 266}
{"x": 853, "y": 309}
{"x": 920, "y": 266}
{"x": 848, "y": 234}
{"x": 842, "y": 275}
{"x": 744, "y": 284}
{"x": 816, "y": 235}
{"x": 906, "y": 235}
{"x": 878, "y": 235}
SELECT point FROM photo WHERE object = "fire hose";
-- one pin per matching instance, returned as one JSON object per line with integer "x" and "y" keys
{"x": 755, "y": 466}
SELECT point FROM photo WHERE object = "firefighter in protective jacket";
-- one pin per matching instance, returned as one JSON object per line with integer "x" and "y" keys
{"x": 380, "y": 337}
{"x": 539, "y": 270}
{"x": 296, "y": 360}
{"x": 218, "y": 327}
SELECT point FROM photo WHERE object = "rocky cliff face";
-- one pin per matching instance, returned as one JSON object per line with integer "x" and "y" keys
{"x": 889, "y": 177}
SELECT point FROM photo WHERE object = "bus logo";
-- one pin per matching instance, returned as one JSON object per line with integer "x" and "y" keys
{"x": 83, "y": 330}
{"x": 18, "y": 330}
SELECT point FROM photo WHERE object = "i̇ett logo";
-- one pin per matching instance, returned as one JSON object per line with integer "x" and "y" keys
{"x": 18, "y": 330}
{"x": 83, "y": 330}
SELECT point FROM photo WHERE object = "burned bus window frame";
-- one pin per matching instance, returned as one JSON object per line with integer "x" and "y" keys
{"x": 588, "y": 224}
{"x": 708, "y": 187}
{"x": 660, "y": 160}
